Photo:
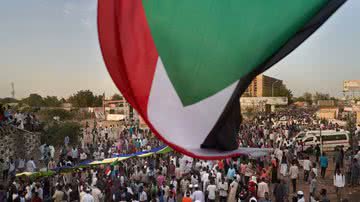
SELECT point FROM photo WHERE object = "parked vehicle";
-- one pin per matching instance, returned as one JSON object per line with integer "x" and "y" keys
{"x": 330, "y": 140}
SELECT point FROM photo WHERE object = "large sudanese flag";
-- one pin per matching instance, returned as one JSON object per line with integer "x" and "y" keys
{"x": 183, "y": 64}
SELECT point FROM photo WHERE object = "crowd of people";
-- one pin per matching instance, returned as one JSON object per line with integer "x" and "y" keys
{"x": 174, "y": 177}
{"x": 21, "y": 120}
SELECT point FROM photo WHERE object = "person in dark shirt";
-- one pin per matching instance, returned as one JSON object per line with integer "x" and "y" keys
{"x": 280, "y": 191}
{"x": 323, "y": 194}
{"x": 35, "y": 197}
{"x": 355, "y": 171}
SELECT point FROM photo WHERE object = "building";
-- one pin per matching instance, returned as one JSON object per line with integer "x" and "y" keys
{"x": 328, "y": 113}
{"x": 262, "y": 104}
{"x": 263, "y": 86}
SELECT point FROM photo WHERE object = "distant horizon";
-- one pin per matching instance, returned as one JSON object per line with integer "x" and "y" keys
{"x": 52, "y": 49}
{"x": 107, "y": 95}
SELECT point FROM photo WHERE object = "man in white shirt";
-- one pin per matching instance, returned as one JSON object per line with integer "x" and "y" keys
{"x": 307, "y": 168}
{"x": 223, "y": 189}
{"x": 83, "y": 156}
{"x": 211, "y": 191}
{"x": 263, "y": 187}
{"x": 205, "y": 179}
{"x": 96, "y": 193}
{"x": 198, "y": 195}
{"x": 30, "y": 165}
{"x": 21, "y": 164}
{"x": 142, "y": 195}
{"x": 87, "y": 197}
{"x": 294, "y": 174}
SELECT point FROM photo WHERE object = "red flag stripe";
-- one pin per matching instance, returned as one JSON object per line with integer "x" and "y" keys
{"x": 123, "y": 29}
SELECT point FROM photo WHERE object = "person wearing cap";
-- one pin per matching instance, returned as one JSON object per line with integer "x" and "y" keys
{"x": 300, "y": 196}
{"x": 252, "y": 199}
{"x": 198, "y": 195}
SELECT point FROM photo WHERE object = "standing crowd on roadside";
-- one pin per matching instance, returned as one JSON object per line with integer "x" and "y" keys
{"x": 174, "y": 177}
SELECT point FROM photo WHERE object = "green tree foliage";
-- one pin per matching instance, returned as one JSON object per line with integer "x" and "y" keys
{"x": 306, "y": 97}
{"x": 8, "y": 100}
{"x": 85, "y": 98}
{"x": 49, "y": 114}
{"x": 98, "y": 101}
{"x": 116, "y": 97}
{"x": 285, "y": 92}
{"x": 321, "y": 96}
{"x": 51, "y": 101}
{"x": 56, "y": 132}
{"x": 34, "y": 100}
{"x": 62, "y": 100}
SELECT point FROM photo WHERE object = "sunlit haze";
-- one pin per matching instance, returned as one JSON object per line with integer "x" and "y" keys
{"x": 51, "y": 48}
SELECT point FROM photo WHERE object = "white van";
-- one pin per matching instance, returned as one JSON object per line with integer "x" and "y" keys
{"x": 330, "y": 140}
{"x": 303, "y": 134}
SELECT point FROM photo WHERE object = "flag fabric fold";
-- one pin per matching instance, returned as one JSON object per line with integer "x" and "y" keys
{"x": 184, "y": 64}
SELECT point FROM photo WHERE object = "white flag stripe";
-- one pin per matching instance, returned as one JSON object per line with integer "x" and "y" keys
{"x": 187, "y": 126}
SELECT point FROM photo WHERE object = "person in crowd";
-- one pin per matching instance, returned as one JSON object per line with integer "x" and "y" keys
{"x": 355, "y": 171}
{"x": 30, "y": 165}
{"x": 300, "y": 196}
{"x": 58, "y": 195}
{"x": 313, "y": 184}
{"x": 339, "y": 183}
{"x": 323, "y": 196}
{"x": 198, "y": 195}
{"x": 223, "y": 187}
{"x": 294, "y": 174}
{"x": 323, "y": 164}
{"x": 172, "y": 176}
{"x": 262, "y": 189}
{"x": 211, "y": 191}
{"x": 307, "y": 168}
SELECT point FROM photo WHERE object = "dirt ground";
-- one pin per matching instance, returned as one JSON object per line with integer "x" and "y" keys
{"x": 352, "y": 194}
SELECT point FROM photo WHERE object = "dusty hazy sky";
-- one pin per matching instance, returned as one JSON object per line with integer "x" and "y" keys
{"x": 51, "y": 48}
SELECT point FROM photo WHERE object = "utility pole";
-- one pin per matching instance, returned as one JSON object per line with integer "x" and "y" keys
{"x": 12, "y": 90}
{"x": 321, "y": 141}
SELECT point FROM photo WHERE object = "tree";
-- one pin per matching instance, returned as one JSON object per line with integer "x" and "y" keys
{"x": 62, "y": 100}
{"x": 56, "y": 133}
{"x": 116, "y": 97}
{"x": 307, "y": 97}
{"x": 321, "y": 96}
{"x": 49, "y": 114}
{"x": 98, "y": 101}
{"x": 83, "y": 98}
{"x": 8, "y": 100}
{"x": 285, "y": 92}
{"x": 300, "y": 99}
{"x": 34, "y": 100}
{"x": 52, "y": 101}
{"x": 351, "y": 127}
